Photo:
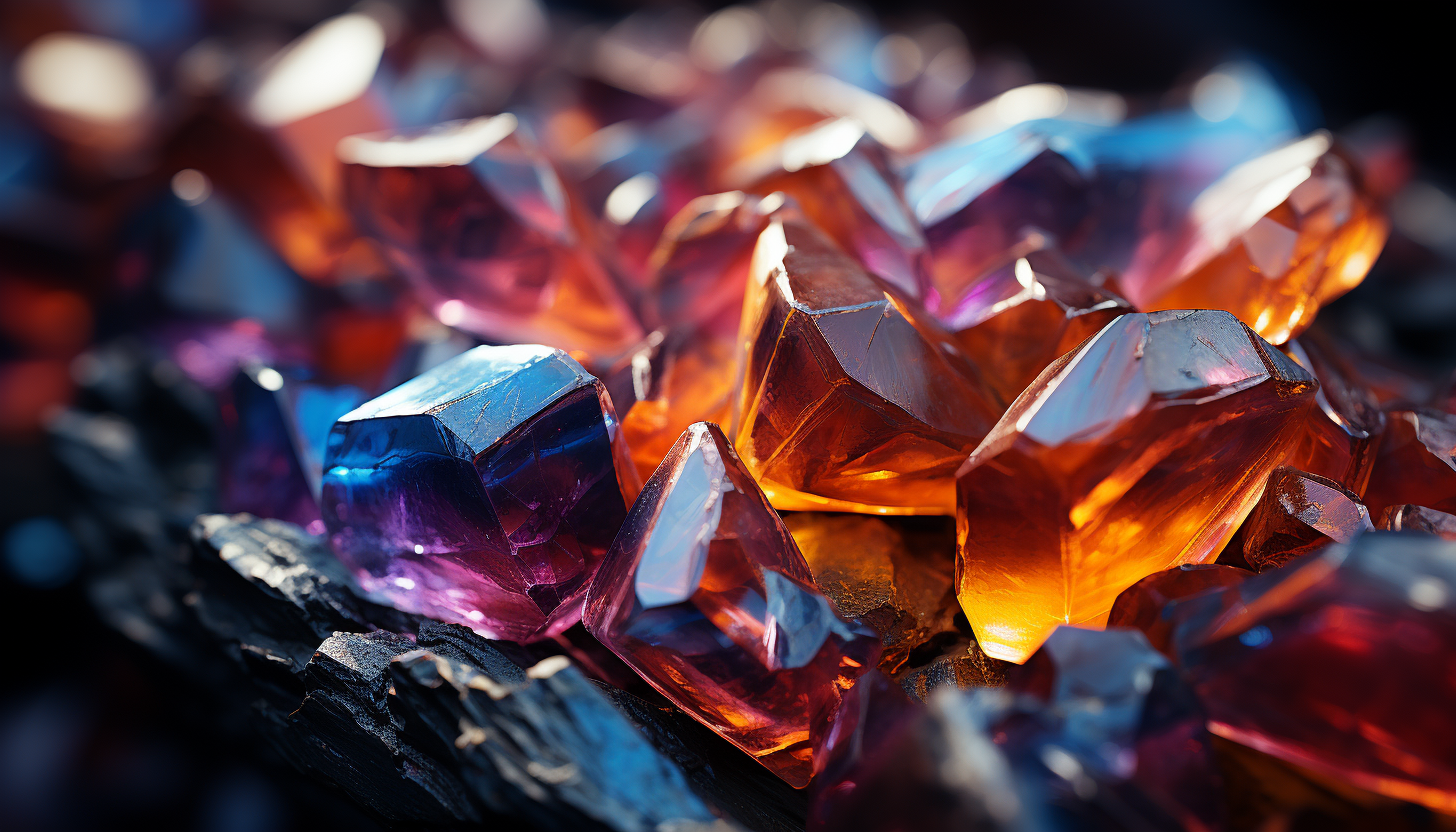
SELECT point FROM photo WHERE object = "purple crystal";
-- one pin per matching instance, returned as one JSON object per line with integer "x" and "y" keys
{"x": 484, "y": 492}
{"x": 274, "y": 426}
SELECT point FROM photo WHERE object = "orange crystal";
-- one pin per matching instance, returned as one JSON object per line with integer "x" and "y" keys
{"x": 1343, "y": 429}
{"x": 1271, "y": 242}
{"x": 1025, "y": 314}
{"x": 852, "y": 398}
{"x": 1139, "y": 451}
{"x": 1416, "y": 463}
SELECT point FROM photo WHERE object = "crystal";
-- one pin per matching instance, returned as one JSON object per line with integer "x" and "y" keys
{"x": 1121, "y": 721}
{"x": 1344, "y": 428}
{"x": 1026, "y": 313}
{"x": 483, "y": 492}
{"x": 1272, "y": 241}
{"x": 843, "y": 181}
{"x": 872, "y": 712}
{"x": 1299, "y": 513}
{"x": 977, "y": 200}
{"x": 475, "y": 215}
{"x": 1416, "y": 463}
{"x": 1148, "y": 605}
{"x": 1408, "y": 518}
{"x": 865, "y": 567}
{"x": 1339, "y": 664}
{"x": 1140, "y": 451}
{"x": 706, "y": 596}
{"x": 852, "y": 398}
{"x": 275, "y": 426}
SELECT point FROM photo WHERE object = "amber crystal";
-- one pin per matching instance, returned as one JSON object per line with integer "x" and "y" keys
{"x": 1410, "y": 518}
{"x": 1416, "y": 463}
{"x": 475, "y": 215}
{"x": 1025, "y": 314}
{"x": 1343, "y": 430}
{"x": 1148, "y": 604}
{"x": 1340, "y": 663}
{"x": 1140, "y": 451}
{"x": 1271, "y": 241}
{"x": 1299, "y": 513}
{"x": 852, "y": 398}
{"x": 865, "y": 567}
{"x": 842, "y": 179}
{"x": 706, "y": 596}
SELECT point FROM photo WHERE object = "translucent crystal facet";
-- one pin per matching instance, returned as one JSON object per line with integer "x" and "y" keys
{"x": 865, "y": 567}
{"x": 475, "y": 215}
{"x": 1148, "y": 604}
{"x": 1026, "y": 313}
{"x": 852, "y": 398}
{"x": 842, "y": 179}
{"x": 1408, "y": 518}
{"x": 1297, "y": 514}
{"x": 1339, "y": 664}
{"x": 1271, "y": 241}
{"x": 274, "y": 429}
{"x": 1416, "y": 463}
{"x": 1344, "y": 427}
{"x": 1140, "y": 451}
{"x": 483, "y": 492}
{"x": 706, "y": 596}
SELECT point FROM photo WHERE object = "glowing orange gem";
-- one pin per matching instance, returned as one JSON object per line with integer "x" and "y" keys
{"x": 1139, "y": 451}
{"x": 1271, "y": 241}
{"x": 852, "y": 399}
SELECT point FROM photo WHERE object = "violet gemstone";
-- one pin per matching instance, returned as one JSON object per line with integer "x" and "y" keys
{"x": 483, "y": 492}
{"x": 274, "y": 428}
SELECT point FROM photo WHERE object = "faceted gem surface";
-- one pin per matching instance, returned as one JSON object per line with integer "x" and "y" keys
{"x": 1148, "y": 604}
{"x": 1120, "y": 711}
{"x": 706, "y": 596}
{"x": 870, "y": 715}
{"x": 1410, "y": 518}
{"x": 1140, "y": 451}
{"x": 842, "y": 179}
{"x": 274, "y": 430}
{"x": 483, "y": 492}
{"x": 977, "y": 200}
{"x": 865, "y": 567}
{"x": 1297, "y": 514}
{"x": 1340, "y": 663}
{"x": 475, "y": 215}
{"x": 1026, "y": 313}
{"x": 1271, "y": 241}
{"x": 1344, "y": 428}
{"x": 1416, "y": 463}
{"x": 852, "y": 398}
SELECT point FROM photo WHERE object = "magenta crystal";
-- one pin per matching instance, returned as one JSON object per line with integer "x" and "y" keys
{"x": 484, "y": 492}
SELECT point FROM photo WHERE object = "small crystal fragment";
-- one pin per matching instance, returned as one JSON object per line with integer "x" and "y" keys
{"x": 1148, "y": 605}
{"x": 852, "y": 398}
{"x": 865, "y": 567}
{"x": 706, "y": 596}
{"x": 1416, "y": 463}
{"x": 475, "y": 215}
{"x": 274, "y": 429}
{"x": 1344, "y": 427}
{"x": 1340, "y": 664}
{"x": 1140, "y": 451}
{"x": 1298, "y": 514}
{"x": 483, "y": 492}
{"x": 1025, "y": 314}
{"x": 1408, "y": 518}
{"x": 1272, "y": 241}
{"x": 842, "y": 179}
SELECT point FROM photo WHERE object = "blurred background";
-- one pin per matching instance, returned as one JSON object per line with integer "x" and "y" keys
{"x": 94, "y": 732}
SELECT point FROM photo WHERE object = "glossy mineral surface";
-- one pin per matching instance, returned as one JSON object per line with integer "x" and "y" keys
{"x": 1416, "y": 463}
{"x": 1147, "y": 604}
{"x": 1105, "y": 470}
{"x": 1343, "y": 429}
{"x": 852, "y": 398}
{"x": 474, "y": 213}
{"x": 706, "y": 596}
{"x": 484, "y": 492}
{"x": 1408, "y": 518}
{"x": 1317, "y": 663}
{"x": 1298, "y": 514}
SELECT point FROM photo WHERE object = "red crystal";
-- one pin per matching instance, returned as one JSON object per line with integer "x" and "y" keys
{"x": 1416, "y": 463}
{"x": 1147, "y": 604}
{"x": 1343, "y": 430}
{"x": 1298, "y": 514}
{"x": 1410, "y": 518}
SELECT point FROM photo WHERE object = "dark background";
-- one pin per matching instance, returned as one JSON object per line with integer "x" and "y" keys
{"x": 94, "y": 734}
